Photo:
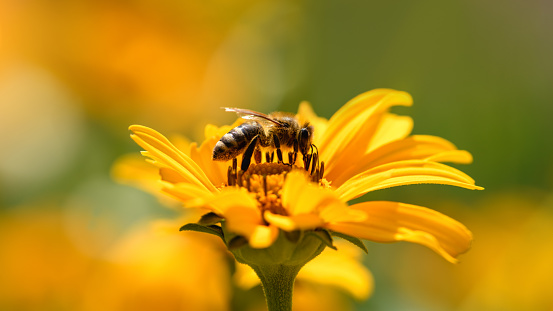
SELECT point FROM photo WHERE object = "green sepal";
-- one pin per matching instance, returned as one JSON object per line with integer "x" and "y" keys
{"x": 210, "y": 219}
{"x": 215, "y": 230}
{"x": 237, "y": 242}
{"x": 353, "y": 240}
{"x": 324, "y": 236}
{"x": 293, "y": 236}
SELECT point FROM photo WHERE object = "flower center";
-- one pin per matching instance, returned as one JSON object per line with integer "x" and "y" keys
{"x": 265, "y": 181}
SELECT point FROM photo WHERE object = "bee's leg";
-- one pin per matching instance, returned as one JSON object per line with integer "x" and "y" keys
{"x": 315, "y": 168}
{"x": 307, "y": 159}
{"x": 315, "y": 162}
{"x": 230, "y": 177}
{"x": 265, "y": 185}
{"x": 277, "y": 146}
{"x": 239, "y": 178}
{"x": 295, "y": 153}
{"x": 247, "y": 156}
{"x": 269, "y": 157}
{"x": 257, "y": 155}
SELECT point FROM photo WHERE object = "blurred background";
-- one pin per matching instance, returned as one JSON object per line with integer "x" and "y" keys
{"x": 75, "y": 74}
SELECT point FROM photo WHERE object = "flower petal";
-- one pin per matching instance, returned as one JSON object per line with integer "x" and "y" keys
{"x": 231, "y": 198}
{"x": 299, "y": 196}
{"x": 392, "y": 222}
{"x": 341, "y": 212}
{"x": 243, "y": 217}
{"x": 263, "y": 236}
{"x": 375, "y": 132}
{"x": 352, "y": 121}
{"x": 132, "y": 169}
{"x": 416, "y": 147}
{"x": 189, "y": 194}
{"x": 214, "y": 170}
{"x": 166, "y": 154}
{"x": 404, "y": 173}
{"x": 342, "y": 269}
{"x": 296, "y": 222}
{"x": 391, "y": 128}
{"x": 306, "y": 114}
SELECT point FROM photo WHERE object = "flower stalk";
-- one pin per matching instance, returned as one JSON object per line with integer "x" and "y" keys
{"x": 278, "y": 265}
{"x": 278, "y": 285}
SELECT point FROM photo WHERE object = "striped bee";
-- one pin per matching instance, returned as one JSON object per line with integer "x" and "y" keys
{"x": 265, "y": 133}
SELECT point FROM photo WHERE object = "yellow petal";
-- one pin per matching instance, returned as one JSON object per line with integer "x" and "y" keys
{"x": 263, "y": 236}
{"x": 244, "y": 277}
{"x": 191, "y": 195}
{"x": 341, "y": 212}
{"x": 171, "y": 176}
{"x": 242, "y": 220}
{"x": 375, "y": 132}
{"x": 299, "y": 196}
{"x": 230, "y": 197}
{"x": 342, "y": 269}
{"x": 216, "y": 171}
{"x": 404, "y": 173}
{"x": 306, "y": 114}
{"x": 163, "y": 152}
{"x": 391, "y": 128}
{"x": 417, "y": 147}
{"x": 214, "y": 132}
{"x": 243, "y": 217}
{"x": 296, "y": 222}
{"x": 453, "y": 156}
{"x": 360, "y": 116}
{"x": 133, "y": 169}
{"x": 392, "y": 222}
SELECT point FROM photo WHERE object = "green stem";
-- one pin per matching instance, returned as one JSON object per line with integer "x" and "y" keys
{"x": 278, "y": 285}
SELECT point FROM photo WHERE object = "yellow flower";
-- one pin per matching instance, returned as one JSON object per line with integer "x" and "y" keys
{"x": 361, "y": 148}
{"x": 340, "y": 270}
{"x": 148, "y": 268}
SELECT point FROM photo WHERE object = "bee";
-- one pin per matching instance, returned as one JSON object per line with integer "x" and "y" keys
{"x": 265, "y": 133}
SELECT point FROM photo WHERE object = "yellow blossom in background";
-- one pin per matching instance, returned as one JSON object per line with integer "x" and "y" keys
{"x": 363, "y": 147}
{"x": 150, "y": 56}
{"x": 150, "y": 268}
{"x": 509, "y": 267}
{"x": 160, "y": 269}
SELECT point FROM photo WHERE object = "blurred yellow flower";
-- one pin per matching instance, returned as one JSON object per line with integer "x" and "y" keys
{"x": 509, "y": 267}
{"x": 159, "y": 269}
{"x": 362, "y": 148}
{"x": 149, "y": 269}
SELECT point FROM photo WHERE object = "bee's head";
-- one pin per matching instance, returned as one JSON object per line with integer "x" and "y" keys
{"x": 305, "y": 137}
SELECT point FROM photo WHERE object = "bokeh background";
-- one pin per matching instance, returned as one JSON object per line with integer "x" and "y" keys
{"x": 75, "y": 74}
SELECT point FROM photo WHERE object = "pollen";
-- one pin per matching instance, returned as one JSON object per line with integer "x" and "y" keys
{"x": 265, "y": 182}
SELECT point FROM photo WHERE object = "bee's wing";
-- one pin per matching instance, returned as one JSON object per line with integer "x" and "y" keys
{"x": 252, "y": 115}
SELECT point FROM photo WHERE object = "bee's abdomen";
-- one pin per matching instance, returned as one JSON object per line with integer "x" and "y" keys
{"x": 235, "y": 141}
